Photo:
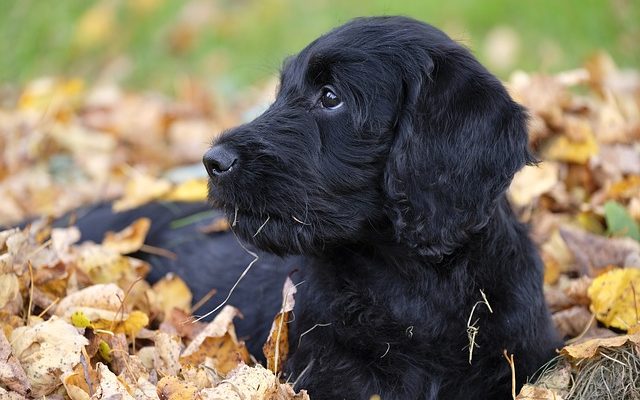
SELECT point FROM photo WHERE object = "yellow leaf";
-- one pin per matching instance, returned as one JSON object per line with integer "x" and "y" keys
{"x": 50, "y": 94}
{"x": 172, "y": 388}
{"x": 130, "y": 326}
{"x": 130, "y": 239}
{"x": 533, "y": 181}
{"x": 627, "y": 188}
{"x": 141, "y": 190}
{"x": 561, "y": 148}
{"x": 615, "y": 298}
{"x": 171, "y": 293}
{"x": 590, "y": 348}
{"x": 191, "y": 190}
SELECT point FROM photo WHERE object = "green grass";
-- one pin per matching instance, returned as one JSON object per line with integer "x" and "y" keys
{"x": 244, "y": 41}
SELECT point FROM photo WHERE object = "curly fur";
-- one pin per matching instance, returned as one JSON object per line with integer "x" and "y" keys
{"x": 396, "y": 201}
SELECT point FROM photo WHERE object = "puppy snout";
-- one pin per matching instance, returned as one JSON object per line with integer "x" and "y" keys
{"x": 219, "y": 160}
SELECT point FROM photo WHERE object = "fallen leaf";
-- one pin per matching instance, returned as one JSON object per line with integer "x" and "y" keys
{"x": 276, "y": 348}
{"x": 167, "y": 353}
{"x": 594, "y": 252}
{"x": 145, "y": 390}
{"x": 140, "y": 190}
{"x": 10, "y": 297}
{"x": 561, "y": 148}
{"x": 77, "y": 382}
{"x": 573, "y": 321}
{"x": 172, "y": 388}
{"x": 12, "y": 376}
{"x": 217, "y": 225}
{"x": 103, "y": 301}
{"x": 533, "y": 181}
{"x": 614, "y": 298}
{"x": 191, "y": 190}
{"x": 172, "y": 292}
{"x": 46, "y": 351}
{"x": 110, "y": 386}
{"x": 532, "y": 392}
{"x": 590, "y": 348}
{"x": 218, "y": 341}
{"x": 130, "y": 239}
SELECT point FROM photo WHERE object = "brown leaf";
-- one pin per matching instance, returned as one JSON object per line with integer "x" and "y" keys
{"x": 172, "y": 388}
{"x": 593, "y": 252}
{"x": 172, "y": 292}
{"x": 532, "y": 392}
{"x": 573, "y": 321}
{"x": 276, "y": 348}
{"x": 12, "y": 375}
{"x": 130, "y": 239}
{"x": 217, "y": 341}
{"x": 589, "y": 348}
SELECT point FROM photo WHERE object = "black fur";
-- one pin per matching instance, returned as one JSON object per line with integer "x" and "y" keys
{"x": 396, "y": 201}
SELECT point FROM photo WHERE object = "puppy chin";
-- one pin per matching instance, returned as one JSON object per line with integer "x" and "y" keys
{"x": 268, "y": 233}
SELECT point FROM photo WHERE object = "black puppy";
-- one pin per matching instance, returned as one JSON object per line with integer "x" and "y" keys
{"x": 380, "y": 173}
{"x": 383, "y": 162}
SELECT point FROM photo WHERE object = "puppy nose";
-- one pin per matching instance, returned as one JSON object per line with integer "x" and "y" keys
{"x": 219, "y": 160}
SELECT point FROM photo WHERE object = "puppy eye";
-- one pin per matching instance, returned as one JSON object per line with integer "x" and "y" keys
{"x": 329, "y": 100}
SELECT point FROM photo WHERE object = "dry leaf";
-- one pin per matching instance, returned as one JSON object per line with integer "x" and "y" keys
{"x": 243, "y": 383}
{"x": 12, "y": 375}
{"x": 590, "y": 348}
{"x": 130, "y": 239}
{"x": 573, "y": 321}
{"x": 533, "y": 181}
{"x": 110, "y": 386}
{"x": 96, "y": 302}
{"x": 141, "y": 190}
{"x": 46, "y": 351}
{"x": 614, "y": 298}
{"x": 167, "y": 353}
{"x": 145, "y": 390}
{"x": 276, "y": 348}
{"x": 593, "y": 252}
{"x": 172, "y": 292}
{"x": 10, "y": 297}
{"x": 103, "y": 265}
{"x": 172, "y": 388}
{"x": 217, "y": 341}
{"x": 532, "y": 392}
{"x": 561, "y": 148}
{"x": 191, "y": 190}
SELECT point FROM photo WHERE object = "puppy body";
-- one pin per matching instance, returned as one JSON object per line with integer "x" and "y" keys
{"x": 399, "y": 326}
{"x": 384, "y": 161}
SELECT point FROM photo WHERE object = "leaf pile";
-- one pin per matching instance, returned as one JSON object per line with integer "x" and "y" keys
{"x": 583, "y": 204}
{"x": 63, "y": 144}
{"x": 79, "y": 320}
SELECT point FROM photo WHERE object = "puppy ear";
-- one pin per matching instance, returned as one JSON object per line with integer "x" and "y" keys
{"x": 459, "y": 139}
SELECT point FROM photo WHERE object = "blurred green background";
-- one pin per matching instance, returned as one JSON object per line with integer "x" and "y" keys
{"x": 229, "y": 44}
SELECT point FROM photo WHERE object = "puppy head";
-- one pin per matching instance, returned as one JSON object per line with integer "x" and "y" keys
{"x": 382, "y": 125}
